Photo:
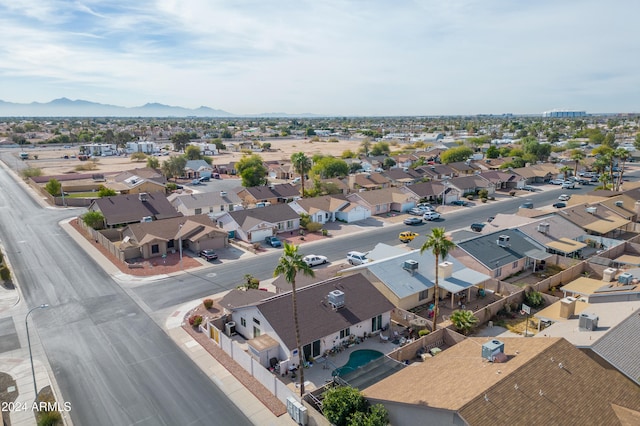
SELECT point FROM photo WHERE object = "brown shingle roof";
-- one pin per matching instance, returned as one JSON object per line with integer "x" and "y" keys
{"x": 124, "y": 209}
{"x": 273, "y": 214}
{"x": 316, "y": 317}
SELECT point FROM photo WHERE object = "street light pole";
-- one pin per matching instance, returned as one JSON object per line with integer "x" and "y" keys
{"x": 26, "y": 325}
{"x": 180, "y": 245}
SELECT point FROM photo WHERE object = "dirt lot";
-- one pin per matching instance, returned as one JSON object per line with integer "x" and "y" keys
{"x": 51, "y": 161}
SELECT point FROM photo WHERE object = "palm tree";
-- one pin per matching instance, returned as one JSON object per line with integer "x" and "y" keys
{"x": 440, "y": 246}
{"x": 302, "y": 165}
{"x": 622, "y": 155}
{"x": 463, "y": 320}
{"x": 565, "y": 171}
{"x": 577, "y": 156}
{"x": 289, "y": 265}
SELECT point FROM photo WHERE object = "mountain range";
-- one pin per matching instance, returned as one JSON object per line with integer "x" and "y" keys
{"x": 64, "y": 107}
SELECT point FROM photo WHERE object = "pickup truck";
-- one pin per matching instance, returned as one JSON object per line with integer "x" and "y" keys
{"x": 273, "y": 241}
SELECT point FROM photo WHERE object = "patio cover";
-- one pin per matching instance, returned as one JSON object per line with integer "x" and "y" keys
{"x": 263, "y": 342}
{"x": 566, "y": 245}
{"x": 537, "y": 254}
{"x": 628, "y": 259}
{"x": 609, "y": 224}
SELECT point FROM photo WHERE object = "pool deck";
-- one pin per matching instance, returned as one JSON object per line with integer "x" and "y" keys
{"x": 320, "y": 373}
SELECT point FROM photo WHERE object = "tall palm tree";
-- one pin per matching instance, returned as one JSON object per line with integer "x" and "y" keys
{"x": 302, "y": 165}
{"x": 440, "y": 246}
{"x": 622, "y": 155}
{"x": 577, "y": 156}
{"x": 289, "y": 265}
{"x": 565, "y": 171}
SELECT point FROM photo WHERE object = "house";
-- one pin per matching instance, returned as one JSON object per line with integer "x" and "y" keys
{"x": 279, "y": 193}
{"x": 437, "y": 171}
{"x": 508, "y": 380}
{"x": 279, "y": 170}
{"x": 500, "y": 254}
{"x": 320, "y": 209}
{"x": 623, "y": 205}
{"x": 120, "y": 210}
{"x": 254, "y": 225}
{"x": 504, "y": 179}
{"x": 212, "y": 203}
{"x": 557, "y": 234}
{"x": 472, "y": 184}
{"x": 329, "y": 312}
{"x": 158, "y": 237}
{"x": 382, "y": 201}
{"x": 407, "y": 279}
{"x": 138, "y": 180}
{"x": 464, "y": 168}
{"x": 367, "y": 181}
{"x": 535, "y": 174}
{"x": 596, "y": 220}
{"x": 400, "y": 177}
{"x": 195, "y": 169}
{"x": 434, "y": 192}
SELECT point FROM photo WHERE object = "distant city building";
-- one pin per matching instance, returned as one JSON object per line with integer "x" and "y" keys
{"x": 556, "y": 113}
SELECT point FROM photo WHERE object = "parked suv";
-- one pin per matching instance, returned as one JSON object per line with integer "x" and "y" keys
{"x": 273, "y": 241}
{"x": 407, "y": 236}
{"x": 431, "y": 216}
{"x": 357, "y": 258}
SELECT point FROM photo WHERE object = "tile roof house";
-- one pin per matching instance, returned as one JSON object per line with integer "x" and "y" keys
{"x": 531, "y": 382}
{"x": 321, "y": 209}
{"x": 434, "y": 191}
{"x": 407, "y": 279}
{"x": 157, "y": 238}
{"x": 254, "y": 225}
{"x": 437, "y": 171}
{"x": 329, "y": 313}
{"x": 399, "y": 177}
{"x": 382, "y": 201}
{"x": 463, "y": 168}
{"x": 197, "y": 168}
{"x": 138, "y": 180}
{"x": 472, "y": 184}
{"x": 504, "y": 179}
{"x": 535, "y": 174}
{"x": 368, "y": 181}
{"x": 213, "y": 203}
{"x": 500, "y": 254}
{"x": 596, "y": 220}
{"x": 278, "y": 193}
{"x": 121, "y": 210}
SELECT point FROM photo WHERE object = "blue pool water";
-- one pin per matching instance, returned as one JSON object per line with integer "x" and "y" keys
{"x": 357, "y": 359}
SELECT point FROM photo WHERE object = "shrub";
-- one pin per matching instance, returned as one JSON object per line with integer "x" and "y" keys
{"x": 483, "y": 193}
{"x": 492, "y": 198}
{"x": 325, "y": 232}
{"x": 5, "y": 273}
{"x": 208, "y": 303}
{"x": 31, "y": 172}
{"x": 534, "y": 299}
{"x": 512, "y": 193}
{"x": 195, "y": 320}
{"x": 49, "y": 418}
{"x": 469, "y": 197}
{"x": 423, "y": 332}
{"x": 484, "y": 200}
{"x": 314, "y": 226}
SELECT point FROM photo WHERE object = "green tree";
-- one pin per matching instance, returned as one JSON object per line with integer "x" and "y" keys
{"x": 463, "y": 320}
{"x": 53, "y": 187}
{"x": 180, "y": 140}
{"x": 565, "y": 171}
{"x": 252, "y": 170}
{"x": 342, "y": 402}
{"x": 440, "y": 247}
{"x": 174, "y": 166}
{"x": 493, "y": 152}
{"x": 348, "y": 154}
{"x": 310, "y": 132}
{"x": 103, "y": 191}
{"x": 380, "y": 148}
{"x": 192, "y": 152}
{"x": 289, "y": 265}
{"x": 534, "y": 298}
{"x": 457, "y": 154}
{"x": 138, "y": 156}
{"x": 365, "y": 146}
{"x": 537, "y": 151}
{"x": 636, "y": 141}
{"x": 377, "y": 416}
{"x": 153, "y": 162}
{"x": 577, "y": 156}
{"x": 93, "y": 219}
{"x": 226, "y": 134}
{"x": 302, "y": 165}
{"x": 622, "y": 155}
{"x": 388, "y": 163}
{"x": 329, "y": 167}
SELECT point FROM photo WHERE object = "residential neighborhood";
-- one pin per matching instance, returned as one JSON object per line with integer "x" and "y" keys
{"x": 505, "y": 299}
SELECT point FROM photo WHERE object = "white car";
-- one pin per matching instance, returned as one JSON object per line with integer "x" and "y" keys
{"x": 564, "y": 197}
{"x": 314, "y": 259}
{"x": 567, "y": 184}
{"x": 357, "y": 258}
{"x": 431, "y": 216}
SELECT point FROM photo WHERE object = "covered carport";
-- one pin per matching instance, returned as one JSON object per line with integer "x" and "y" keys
{"x": 566, "y": 247}
{"x": 538, "y": 256}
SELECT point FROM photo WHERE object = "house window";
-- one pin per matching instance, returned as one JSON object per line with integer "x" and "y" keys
{"x": 210, "y": 209}
{"x": 498, "y": 272}
{"x": 171, "y": 244}
{"x": 256, "y": 332}
{"x": 256, "y": 320}
{"x": 279, "y": 226}
{"x": 243, "y": 322}
{"x": 423, "y": 294}
{"x": 289, "y": 224}
{"x": 222, "y": 208}
{"x": 515, "y": 264}
{"x": 230, "y": 208}
{"x": 198, "y": 211}
{"x": 345, "y": 333}
{"x": 376, "y": 323}
{"x": 155, "y": 249}
{"x": 378, "y": 208}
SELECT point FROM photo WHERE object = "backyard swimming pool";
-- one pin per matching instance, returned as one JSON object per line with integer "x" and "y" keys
{"x": 357, "y": 359}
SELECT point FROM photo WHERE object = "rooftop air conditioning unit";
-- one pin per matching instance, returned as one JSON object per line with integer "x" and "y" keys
{"x": 410, "y": 265}
{"x": 336, "y": 299}
{"x": 491, "y": 349}
{"x": 543, "y": 227}
{"x": 625, "y": 278}
{"x": 588, "y": 322}
{"x": 503, "y": 241}
{"x": 619, "y": 203}
{"x": 591, "y": 210}
{"x": 146, "y": 219}
{"x": 223, "y": 193}
{"x": 609, "y": 274}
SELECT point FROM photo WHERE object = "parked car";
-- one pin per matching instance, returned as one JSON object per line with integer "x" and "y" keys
{"x": 556, "y": 181}
{"x": 407, "y": 236}
{"x": 416, "y": 211}
{"x": 205, "y": 178}
{"x": 273, "y": 241}
{"x": 413, "y": 221}
{"x": 490, "y": 219}
{"x": 567, "y": 184}
{"x": 564, "y": 197}
{"x": 529, "y": 188}
{"x": 314, "y": 260}
{"x": 216, "y": 175}
{"x": 196, "y": 182}
{"x": 208, "y": 254}
{"x": 560, "y": 205}
{"x": 527, "y": 205}
{"x": 459, "y": 203}
{"x": 478, "y": 227}
{"x": 431, "y": 216}
{"x": 357, "y": 258}
{"x": 426, "y": 206}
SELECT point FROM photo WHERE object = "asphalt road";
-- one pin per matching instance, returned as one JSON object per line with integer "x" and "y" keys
{"x": 112, "y": 362}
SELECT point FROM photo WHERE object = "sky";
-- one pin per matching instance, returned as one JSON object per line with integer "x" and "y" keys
{"x": 327, "y": 57}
